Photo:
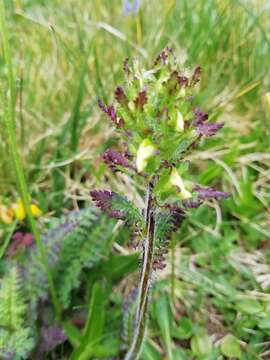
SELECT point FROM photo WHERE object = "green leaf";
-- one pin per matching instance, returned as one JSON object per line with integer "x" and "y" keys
{"x": 76, "y": 114}
{"x": 183, "y": 167}
{"x": 131, "y": 212}
{"x": 7, "y": 238}
{"x": 119, "y": 266}
{"x": 180, "y": 354}
{"x": 164, "y": 319}
{"x": 201, "y": 345}
{"x": 149, "y": 352}
{"x": 230, "y": 347}
{"x": 73, "y": 334}
{"x": 249, "y": 306}
{"x": 184, "y": 329}
{"x": 86, "y": 238}
{"x": 165, "y": 224}
{"x": 15, "y": 336}
{"x": 96, "y": 315}
{"x": 93, "y": 330}
{"x": 264, "y": 324}
{"x": 108, "y": 348}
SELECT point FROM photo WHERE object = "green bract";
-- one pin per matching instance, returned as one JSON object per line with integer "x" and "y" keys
{"x": 155, "y": 114}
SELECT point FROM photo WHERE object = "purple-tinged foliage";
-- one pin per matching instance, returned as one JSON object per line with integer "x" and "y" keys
{"x": 114, "y": 159}
{"x": 51, "y": 336}
{"x": 159, "y": 131}
{"x": 131, "y": 7}
{"x": 141, "y": 100}
{"x": 196, "y": 76}
{"x": 20, "y": 241}
{"x": 111, "y": 113}
{"x": 176, "y": 79}
{"x": 192, "y": 204}
{"x": 164, "y": 55}
{"x": 177, "y": 217}
{"x": 120, "y": 96}
{"x": 200, "y": 116}
{"x": 131, "y": 297}
{"x": 109, "y": 110}
{"x": 126, "y": 66}
{"x": 103, "y": 200}
{"x": 183, "y": 81}
{"x": 209, "y": 129}
{"x": 208, "y": 193}
{"x": 102, "y": 106}
{"x": 8, "y": 355}
{"x": 168, "y": 222}
{"x": 162, "y": 115}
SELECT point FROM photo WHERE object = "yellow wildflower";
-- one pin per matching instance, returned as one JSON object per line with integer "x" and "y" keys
{"x": 176, "y": 180}
{"x": 6, "y": 214}
{"x": 145, "y": 151}
{"x": 179, "y": 122}
{"x": 20, "y": 212}
{"x": 35, "y": 210}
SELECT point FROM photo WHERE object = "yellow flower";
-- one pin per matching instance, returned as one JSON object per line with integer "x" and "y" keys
{"x": 179, "y": 122}
{"x": 35, "y": 210}
{"x": 20, "y": 212}
{"x": 145, "y": 151}
{"x": 6, "y": 214}
{"x": 176, "y": 180}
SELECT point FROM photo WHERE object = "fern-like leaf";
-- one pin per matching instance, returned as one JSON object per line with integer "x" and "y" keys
{"x": 16, "y": 340}
{"x": 117, "y": 206}
{"x": 82, "y": 249}
{"x": 12, "y": 306}
{"x": 76, "y": 241}
{"x": 167, "y": 221}
{"x": 132, "y": 214}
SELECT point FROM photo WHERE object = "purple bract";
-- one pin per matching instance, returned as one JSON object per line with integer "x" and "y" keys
{"x": 209, "y": 193}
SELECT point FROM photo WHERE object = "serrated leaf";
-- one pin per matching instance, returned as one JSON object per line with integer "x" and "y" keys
{"x": 131, "y": 213}
{"x": 166, "y": 222}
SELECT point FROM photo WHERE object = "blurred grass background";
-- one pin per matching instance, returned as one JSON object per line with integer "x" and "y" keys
{"x": 66, "y": 54}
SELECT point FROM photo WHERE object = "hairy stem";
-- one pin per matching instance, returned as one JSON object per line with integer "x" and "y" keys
{"x": 145, "y": 280}
{"x": 9, "y": 120}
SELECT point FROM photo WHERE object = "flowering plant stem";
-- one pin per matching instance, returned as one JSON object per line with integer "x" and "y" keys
{"x": 158, "y": 126}
{"x": 145, "y": 280}
{"x": 9, "y": 119}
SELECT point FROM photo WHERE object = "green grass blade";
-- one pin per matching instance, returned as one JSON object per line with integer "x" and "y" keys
{"x": 9, "y": 120}
{"x": 93, "y": 330}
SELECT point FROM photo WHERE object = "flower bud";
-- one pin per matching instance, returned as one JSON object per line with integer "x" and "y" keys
{"x": 179, "y": 122}
{"x": 145, "y": 151}
{"x": 176, "y": 180}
